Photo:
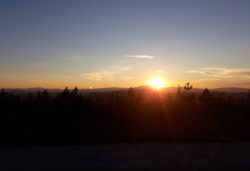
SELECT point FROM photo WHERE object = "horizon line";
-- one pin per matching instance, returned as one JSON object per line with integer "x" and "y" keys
{"x": 88, "y": 88}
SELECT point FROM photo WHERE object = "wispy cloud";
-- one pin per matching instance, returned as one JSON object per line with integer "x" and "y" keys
{"x": 160, "y": 70}
{"x": 97, "y": 75}
{"x": 140, "y": 56}
{"x": 223, "y": 72}
{"x": 107, "y": 74}
{"x": 207, "y": 80}
{"x": 126, "y": 78}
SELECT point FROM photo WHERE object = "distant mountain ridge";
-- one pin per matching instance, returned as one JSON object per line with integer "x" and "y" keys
{"x": 232, "y": 89}
{"x": 167, "y": 89}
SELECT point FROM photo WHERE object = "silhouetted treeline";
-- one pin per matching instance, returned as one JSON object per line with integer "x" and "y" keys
{"x": 122, "y": 116}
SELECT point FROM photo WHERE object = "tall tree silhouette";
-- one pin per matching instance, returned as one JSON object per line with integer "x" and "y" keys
{"x": 188, "y": 87}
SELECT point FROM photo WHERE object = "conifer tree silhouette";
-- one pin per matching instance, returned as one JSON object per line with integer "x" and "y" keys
{"x": 188, "y": 87}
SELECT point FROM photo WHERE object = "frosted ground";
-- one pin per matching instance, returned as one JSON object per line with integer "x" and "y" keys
{"x": 142, "y": 156}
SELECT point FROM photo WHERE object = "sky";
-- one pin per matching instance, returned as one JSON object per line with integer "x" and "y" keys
{"x": 124, "y": 43}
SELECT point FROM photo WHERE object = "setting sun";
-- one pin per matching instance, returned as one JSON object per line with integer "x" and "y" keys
{"x": 157, "y": 83}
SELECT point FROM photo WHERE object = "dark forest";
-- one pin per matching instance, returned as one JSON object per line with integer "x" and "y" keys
{"x": 129, "y": 115}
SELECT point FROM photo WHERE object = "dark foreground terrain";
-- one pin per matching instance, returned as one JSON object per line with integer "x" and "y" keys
{"x": 125, "y": 130}
{"x": 126, "y": 116}
{"x": 142, "y": 156}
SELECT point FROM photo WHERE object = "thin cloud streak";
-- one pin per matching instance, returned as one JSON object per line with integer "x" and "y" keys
{"x": 208, "y": 80}
{"x": 140, "y": 56}
{"x": 160, "y": 70}
{"x": 107, "y": 74}
{"x": 99, "y": 75}
{"x": 223, "y": 72}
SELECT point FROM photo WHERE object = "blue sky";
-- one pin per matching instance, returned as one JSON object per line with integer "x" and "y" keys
{"x": 124, "y": 43}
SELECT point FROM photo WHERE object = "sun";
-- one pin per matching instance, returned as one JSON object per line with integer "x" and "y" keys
{"x": 157, "y": 83}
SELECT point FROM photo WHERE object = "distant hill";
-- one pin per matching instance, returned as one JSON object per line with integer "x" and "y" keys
{"x": 102, "y": 90}
{"x": 167, "y": 89}
{"x": 232, "y": 90}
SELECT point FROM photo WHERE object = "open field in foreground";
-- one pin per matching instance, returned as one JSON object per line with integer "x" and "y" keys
{"x": 143, "y": 156}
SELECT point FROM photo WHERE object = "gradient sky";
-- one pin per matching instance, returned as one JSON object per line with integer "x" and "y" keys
{"x": 107, "y": 43}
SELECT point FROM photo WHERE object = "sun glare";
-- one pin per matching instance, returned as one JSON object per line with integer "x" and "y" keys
{"x": 157, "y": 83}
